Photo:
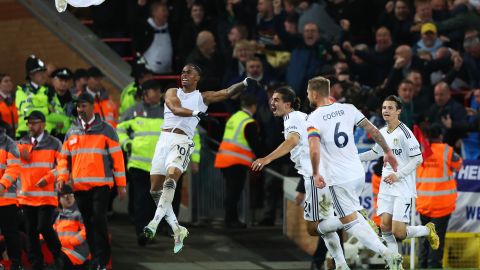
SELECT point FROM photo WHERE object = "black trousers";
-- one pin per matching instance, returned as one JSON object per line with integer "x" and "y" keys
{"x": 39, "y": 219}
{"x": 428, "y": 257}
{"x": 93, "y": 206}
{"x": 9, "y": 228}
{"x": 68, "y": 265}
{"x": 234, "y": 182}
{"x": 143, "y": 204}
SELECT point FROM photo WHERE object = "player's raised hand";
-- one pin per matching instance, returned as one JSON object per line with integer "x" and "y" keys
{"x": 250, "y": 82}
{"x": 390, "y": 159}
{"x": 319, "y": 180}
{"x": 258, "y": 164}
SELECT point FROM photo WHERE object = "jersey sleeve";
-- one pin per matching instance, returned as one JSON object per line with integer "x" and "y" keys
{"x": 357, "y": 115}
{"x": 410, "y": 143}
{"x": 313, "y": 130}
{"x": 292, "y": 125}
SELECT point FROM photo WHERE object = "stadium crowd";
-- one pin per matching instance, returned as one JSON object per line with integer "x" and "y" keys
{"x": 425, "y": 51}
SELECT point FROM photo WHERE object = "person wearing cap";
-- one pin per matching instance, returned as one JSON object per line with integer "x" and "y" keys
{"x": 103, "y": 105}
{"x": 429, "y": 40}
{"x": 80, "y": 78}
{"x": 62, "y": 100}
{"x": 39, "y": 153}
{"x": 141, "y": 73}
{"x": 8, "y": 109}
{"x": 33, "y": 95}
{"x": 71, "y": 231}
{"x": 92, "y": 152}
{"x": 9, "y": 171}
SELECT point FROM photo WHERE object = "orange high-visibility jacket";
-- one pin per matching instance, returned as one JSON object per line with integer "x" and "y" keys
{"x": 9, "y": 169}
{"x": 106, "y": 108}
{"x": 9, "y": 115}
{"x": 436, "y": 184}
{"x": 93, "y": 156}
{"x": 375, "y": 189}
{"x": 42, "y": 162}
{"x": 72, "y": 234}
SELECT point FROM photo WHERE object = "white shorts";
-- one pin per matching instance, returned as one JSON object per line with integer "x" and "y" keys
{"x": 318, "y": 203}
{"x": 172, "y": 150}
{"x": 398, "y": 207}
{"x": 346, "y": 197}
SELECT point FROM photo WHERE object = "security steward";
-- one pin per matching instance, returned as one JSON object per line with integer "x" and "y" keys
{"x": 71, "y": 231}
{"x": 130, "y": 94}
{"x": 239, "y": 146}
{"x": 103, "y": 105}
{"x": 39, "y": 153}
{"x": 8, "y": 109}
{"x": 62, "y": 100}
{"x": 138, "y": 130}
{"x": 9, "y": 170}
{"x": 436, "y": 193}
{"x": 92, "y": 151}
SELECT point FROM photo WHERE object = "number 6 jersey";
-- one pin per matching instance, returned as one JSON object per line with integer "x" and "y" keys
{"x": 334, "y": 124}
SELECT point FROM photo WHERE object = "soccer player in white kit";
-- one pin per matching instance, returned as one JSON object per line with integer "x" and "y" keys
{"x": 184, "y": 108}
{"x": 318, "y": 204}
{"x": 61, "y": 5}
{"x": 398, "y": 188}
{"x": 335, "y": 162}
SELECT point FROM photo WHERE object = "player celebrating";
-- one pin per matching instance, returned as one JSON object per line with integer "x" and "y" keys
{"x": 398, "y": 188}
{"x": 330, "y": 132}
{"x": 317, "y": 201}
{"x": 184, "y": 108}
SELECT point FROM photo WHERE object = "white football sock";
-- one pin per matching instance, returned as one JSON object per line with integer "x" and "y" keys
{"x": 332, "y": 241}
{"x": 417, "y": 231}
{"x": 365, "y": 234}
{"x": 331, "y": 224}
{"x": 391, "y": 241}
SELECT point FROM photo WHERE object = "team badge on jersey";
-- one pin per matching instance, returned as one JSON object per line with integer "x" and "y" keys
{"x": 395, "y": 141}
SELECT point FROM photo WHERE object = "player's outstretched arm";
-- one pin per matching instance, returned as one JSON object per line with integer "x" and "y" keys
{"x": 232, "y": 91}
{"x": 380, "y": 140}
{"x": 284, "y": 148}
{"x": 174, "y": 104}
{"x": 368, "y": 155}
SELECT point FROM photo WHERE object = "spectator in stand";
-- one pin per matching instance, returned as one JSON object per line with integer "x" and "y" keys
{"x": 153, "y": 39}
{"x": 463, "y": 20}
{"x": 456, "y": 76}
{"x": 130, "y": 95}
{"x": 405, "y": 93}
{"x": 265, "y": 28}
{"x": 440, "y": 10}
{"x": 8, "y": 109}
{"x": 429, "y": 40}
{"x": 307, "y": 59}
{"x": 242, "y": 51}
{"x": 237, "y": 33}
{"x": 398, "y": 19}
{"x": 197, "y": 22}
{"x": 312, "y": 12}
{"x": 471, "y": 59}
{"x": 423, "y": 14}
{"x": 206, "y": 56}
{"x": 80, "y": 78}
{"x": 422, "y": 99}
{"x": 445, "y": 106}
{"x": 470, "y": 126}
{"x": 103, "y": 105}
{"x": 380, "y": 59}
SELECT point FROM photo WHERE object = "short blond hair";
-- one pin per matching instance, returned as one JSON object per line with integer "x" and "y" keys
{"x": 320, "y": 84}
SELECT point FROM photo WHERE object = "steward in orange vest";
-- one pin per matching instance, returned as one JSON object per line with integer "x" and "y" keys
{"x": 92, "y": 151}
{"x": 437, "y": 192}
{"x": 39, "y": 152}
{"x": 235, "y": 155}
{"x": 9, "y": 170}
{"x": 8, "y": 109}
{"x": 71, "y": 231}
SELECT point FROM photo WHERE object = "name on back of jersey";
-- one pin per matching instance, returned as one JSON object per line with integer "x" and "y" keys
{"x": 332, "y": 115}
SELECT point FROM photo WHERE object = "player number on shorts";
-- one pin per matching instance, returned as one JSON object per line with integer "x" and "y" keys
{"x": 339, "y": 134}
{"x": 407, "y": 208}
{"x": 181, "y": 150}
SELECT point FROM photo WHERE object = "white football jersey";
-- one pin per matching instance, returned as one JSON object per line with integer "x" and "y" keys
{"x": 404, "y": 146}
{"x": 339, "y": 161}
{"x": 192, "y": 101}
{"x": 296, "y": 122}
